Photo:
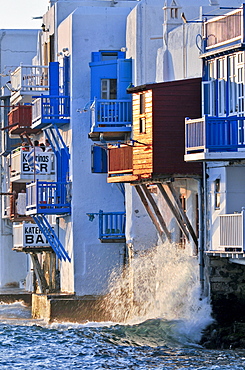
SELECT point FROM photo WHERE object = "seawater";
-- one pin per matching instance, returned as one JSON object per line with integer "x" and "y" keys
{"x": 158, "y": 317}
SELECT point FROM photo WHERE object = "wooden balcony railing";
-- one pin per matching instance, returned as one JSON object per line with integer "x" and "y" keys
{"x": 120, "y": 160}
{"x": 214, "y": 134}
{"x": 30, "y": 78}
{"x": 50, "y": 109}
{"x": 111, "y": 115}
{"x": 111, "y": 226}
{"x": 21, "y": 116}
{"x": 48, "y": 198}
{"x": 224, "y": 29}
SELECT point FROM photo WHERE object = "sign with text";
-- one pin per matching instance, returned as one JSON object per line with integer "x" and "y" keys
{"x": 32, "y": 236}
{"x": 44, "y": 162}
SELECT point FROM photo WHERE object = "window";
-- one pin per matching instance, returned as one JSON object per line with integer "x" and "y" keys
{"x": 221, "y": 87}
{"x": 217, "y": 194}
{"x": 142, "y": 103}
{"x": 107, "y": 55}
{"x": 232, "y": 84}
{"x": 208, "y": 94}
{"x": 108, "y": 88}
{"x": 142, "y": 118}
{"x": 142, "y": 125}
{"x": 174, "y": 13}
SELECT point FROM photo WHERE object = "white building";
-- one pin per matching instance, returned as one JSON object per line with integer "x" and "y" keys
{"x": 89, "y": 52}
{"x": 16, "y": 46}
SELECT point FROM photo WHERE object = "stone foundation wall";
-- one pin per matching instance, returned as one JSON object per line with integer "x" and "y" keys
{"x": 225, "y": 282}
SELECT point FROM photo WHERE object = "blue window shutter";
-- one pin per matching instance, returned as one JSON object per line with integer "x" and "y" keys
{"x": 53, "y": 78}
{"x": 99, "y": 159}
{"x": 124, "y": 76}
{"x": 66, "y": 74}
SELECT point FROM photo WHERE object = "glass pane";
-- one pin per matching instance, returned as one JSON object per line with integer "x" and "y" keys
{"x": 113, "y": 89}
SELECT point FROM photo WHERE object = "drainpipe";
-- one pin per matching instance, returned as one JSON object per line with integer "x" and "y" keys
{"x": 57, "y": 268}
{"x": 203, "y": 223}
{"x": 201, "y": 232}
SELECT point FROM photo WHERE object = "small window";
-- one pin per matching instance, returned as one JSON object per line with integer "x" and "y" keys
{"x": 174, "y": 13}
{"x": 142, "y": 125}
{"x": 142, "y": 103}
{"x": 217, "y": 194}
{"x": 106, "y": 55}
{"x": 108, "y": 89}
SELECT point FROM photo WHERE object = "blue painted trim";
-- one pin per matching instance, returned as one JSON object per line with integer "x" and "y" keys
{"x": 111, "y": 225}
{"x": 50, "y": 198}
{"x": 51, "y": 236}
{"x": 217, "y": 134}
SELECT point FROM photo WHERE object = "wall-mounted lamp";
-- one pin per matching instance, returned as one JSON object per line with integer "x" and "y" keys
{"x": 65, "y": 51}
{"x": 44, "y": 29}
{"x": 124, "y": 49}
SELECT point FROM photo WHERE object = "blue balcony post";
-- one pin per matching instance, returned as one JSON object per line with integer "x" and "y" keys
{"x": 54, "y": 88}
{"x": 100, "y": 224}
{"x": 37, "y": 197}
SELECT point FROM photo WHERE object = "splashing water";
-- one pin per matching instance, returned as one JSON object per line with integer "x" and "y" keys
{"x": 161, "y": 284}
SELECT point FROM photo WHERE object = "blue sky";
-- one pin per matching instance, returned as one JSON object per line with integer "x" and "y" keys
{"x": 19, "y": 13}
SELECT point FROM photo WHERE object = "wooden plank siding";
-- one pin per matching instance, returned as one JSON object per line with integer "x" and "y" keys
{"x": 120, "y": 160}
{"x": 173, "y": 102}
{"x": 142, "y": 149}
{"x": 158, "y": 151}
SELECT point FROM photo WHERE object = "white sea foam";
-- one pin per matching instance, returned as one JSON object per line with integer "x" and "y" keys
{"x": 162, "y": 283}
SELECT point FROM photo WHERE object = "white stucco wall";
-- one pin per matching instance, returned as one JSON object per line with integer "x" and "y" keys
{"x": 16, "y": 46}
{"x": 144, "y": 37}
{"x": 141, "y": 234}
{"x": 215, "y": 171}
{"x": 92, "y": 261}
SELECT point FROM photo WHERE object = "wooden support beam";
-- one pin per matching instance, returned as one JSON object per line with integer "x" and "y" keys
{"x": 173, "y": 210}
{"x": 157, "y": 212}
{"x": 149, "y": 211}
{"x": 52, "y": 285}
{"x": 39, "y": 273}
{"x": 183, "y": 214}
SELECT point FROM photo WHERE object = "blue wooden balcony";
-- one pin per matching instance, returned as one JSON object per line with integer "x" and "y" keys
{"x": 214, "y": 138}
{"x": 50, "y": 109}
{"x": 111, "y": 226}
{"x": 111, "y": 119}
{"x": 48, "y": 198}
